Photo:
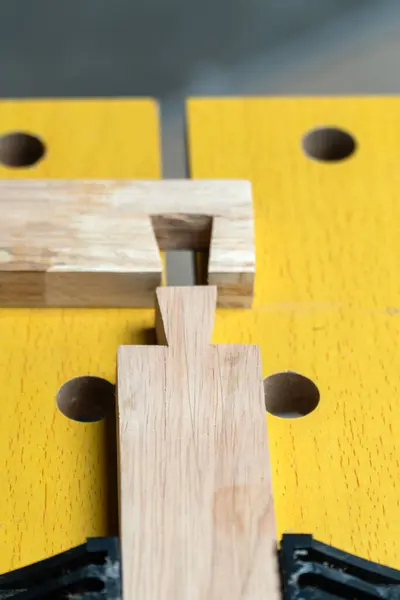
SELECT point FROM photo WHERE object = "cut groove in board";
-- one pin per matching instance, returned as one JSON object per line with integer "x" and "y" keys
{"x": 196, "y": 507}
{"x": 93, "y": 242}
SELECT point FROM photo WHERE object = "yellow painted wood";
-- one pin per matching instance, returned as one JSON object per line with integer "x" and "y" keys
{"x": 327, "y": 303}
{"x": 58, "y": 477}
{"x": 86, "y": 138}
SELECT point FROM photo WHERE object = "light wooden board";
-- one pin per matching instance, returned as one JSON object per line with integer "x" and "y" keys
{"x": 326, "y": 303}
{"x": 196, "y": 506}
{"x": 93, "y": 242}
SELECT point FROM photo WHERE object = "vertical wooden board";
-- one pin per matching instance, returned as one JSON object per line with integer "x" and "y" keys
{"x": 327, "y": 303}
{"x": 196, "y": 509}
{"x": 58, "y": 478}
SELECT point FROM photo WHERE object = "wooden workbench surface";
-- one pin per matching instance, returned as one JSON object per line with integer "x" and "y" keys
{"x": 327, "y": 305}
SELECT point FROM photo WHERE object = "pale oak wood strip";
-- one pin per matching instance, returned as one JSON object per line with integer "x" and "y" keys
{"x": 108, "y": 229}
{"x": 196, "y": 507}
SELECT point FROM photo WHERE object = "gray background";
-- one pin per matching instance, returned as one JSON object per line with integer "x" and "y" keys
{"x": 170, "y": 49}
{"x": 167, "y": 48}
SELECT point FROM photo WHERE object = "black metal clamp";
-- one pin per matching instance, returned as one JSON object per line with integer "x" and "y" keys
{"x": 87, "y": 572}
{"x": 310, "y": 570}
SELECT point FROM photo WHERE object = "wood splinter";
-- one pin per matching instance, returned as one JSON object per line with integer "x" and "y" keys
{"x": 196, "y": 506}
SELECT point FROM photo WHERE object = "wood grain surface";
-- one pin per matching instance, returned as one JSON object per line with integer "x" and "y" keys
{"x": 326, "y": 303}
{"x": 93, "y": 242}
{"x": 196, "y": 506}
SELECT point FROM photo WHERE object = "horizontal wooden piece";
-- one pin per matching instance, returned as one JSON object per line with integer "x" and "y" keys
{"x": 196, "y": 507}
{"x": 93, "y": 242}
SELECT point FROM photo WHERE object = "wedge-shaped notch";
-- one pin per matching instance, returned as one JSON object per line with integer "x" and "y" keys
{"x": 196, "y": 506}
{"x": 96, "y": 243}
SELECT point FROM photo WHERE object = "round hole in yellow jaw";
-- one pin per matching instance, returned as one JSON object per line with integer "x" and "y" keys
{"x": 290, "y": 395}
{"x": 20, "y": 149}
{"x": 329, "y": 144}
{"x": 86, "y": 399}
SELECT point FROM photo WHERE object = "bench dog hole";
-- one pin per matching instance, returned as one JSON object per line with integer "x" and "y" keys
{"x": 329, "y": 144}
{"x": 290, "y": 395}
{"x": 86, "y": 399}
{"x": 21, "y": 149}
